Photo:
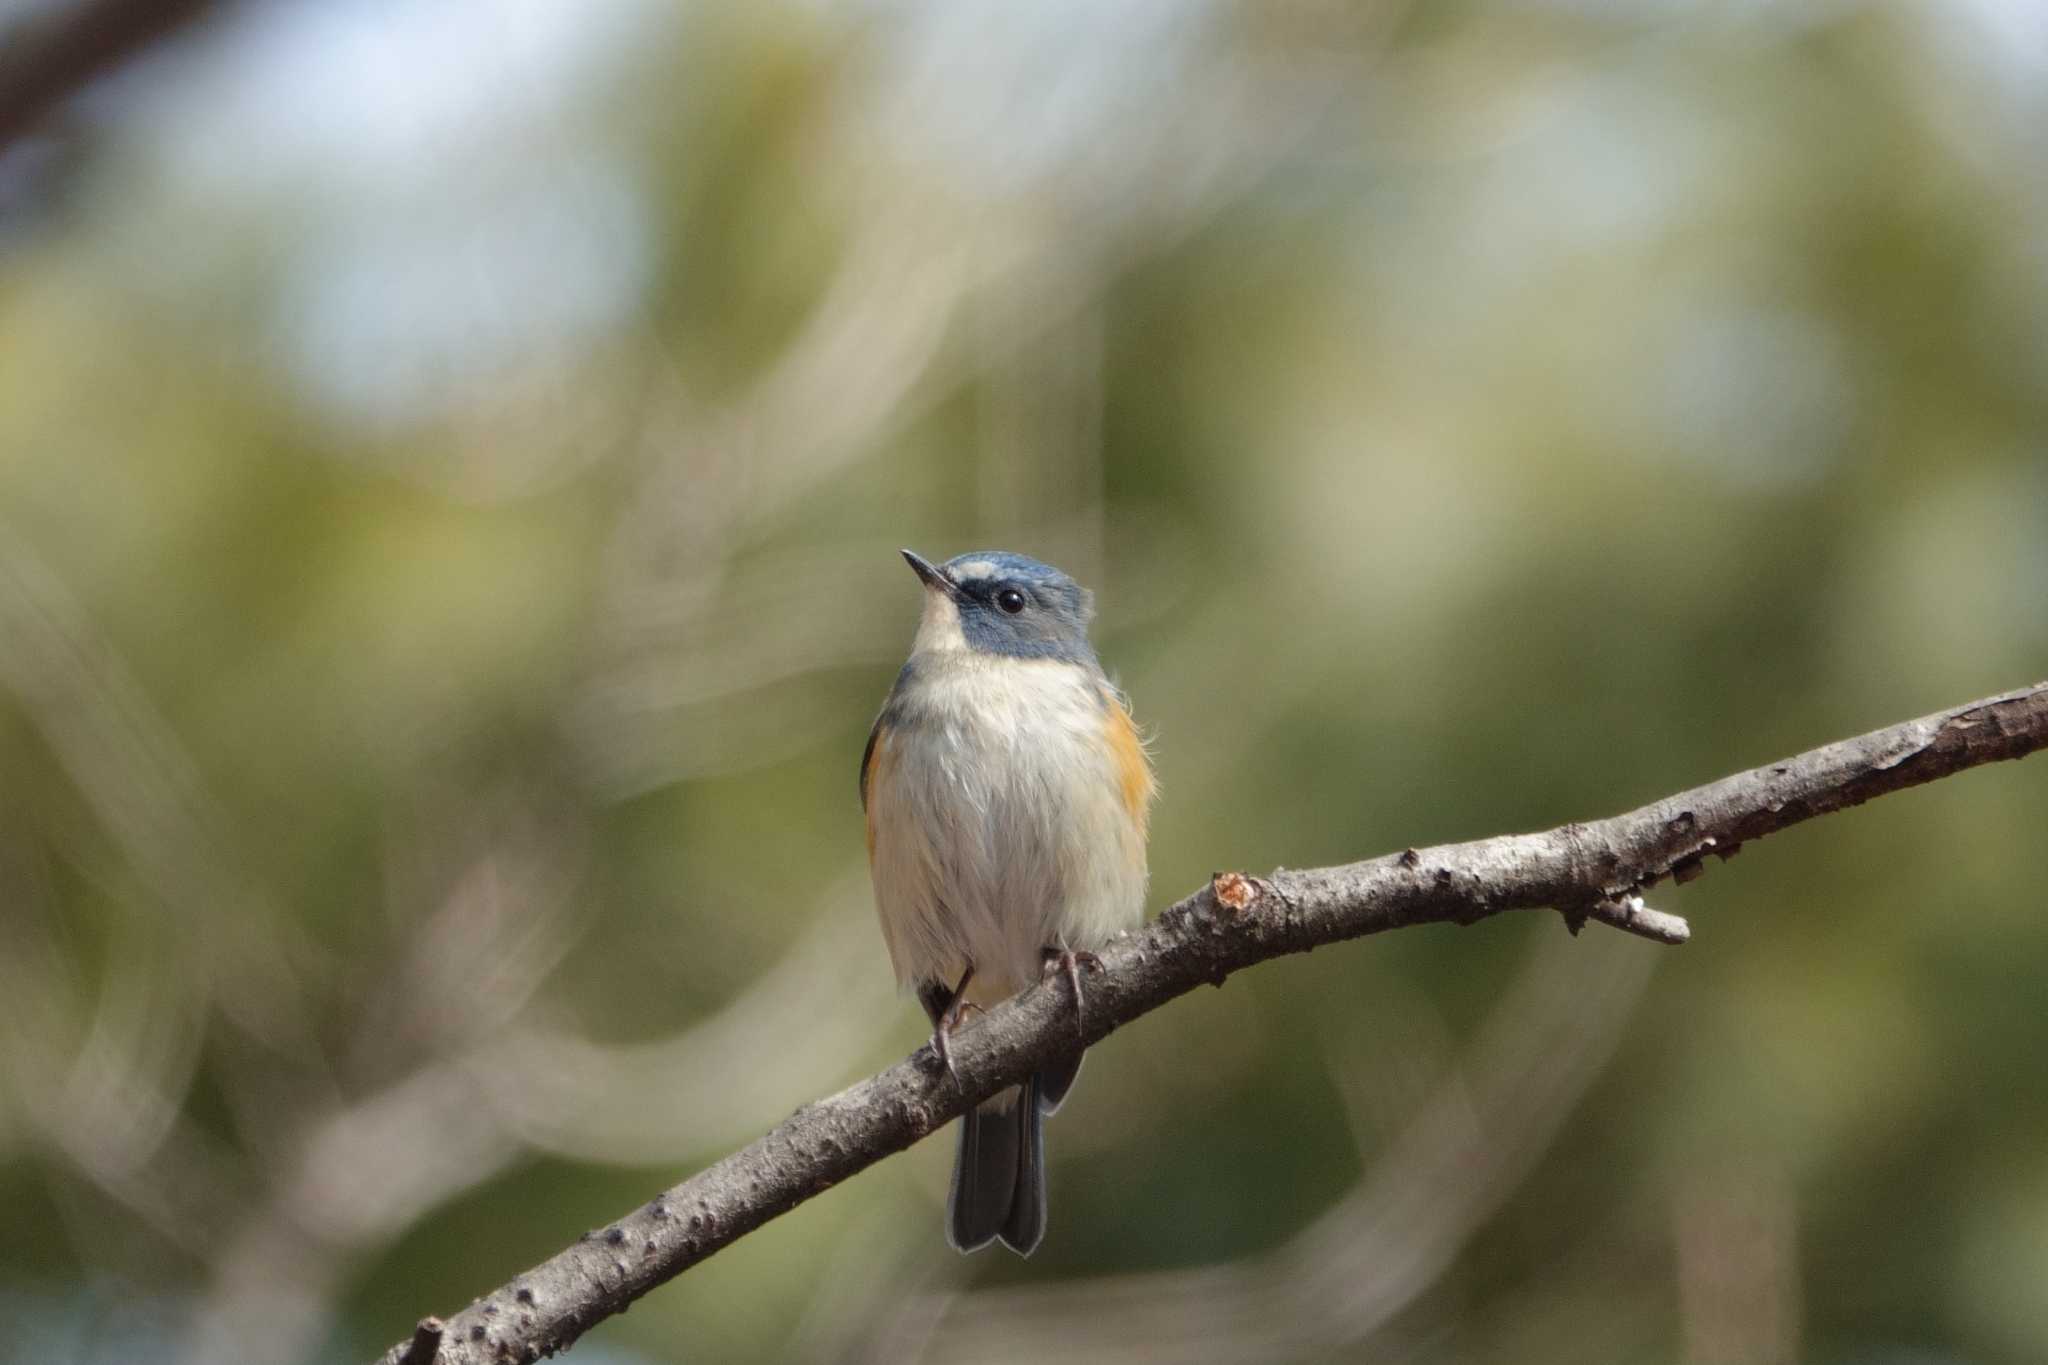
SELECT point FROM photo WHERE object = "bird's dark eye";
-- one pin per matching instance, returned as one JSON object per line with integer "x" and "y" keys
{"x": 1010, "y": 600}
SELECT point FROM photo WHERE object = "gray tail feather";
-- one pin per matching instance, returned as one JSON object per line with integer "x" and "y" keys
{"x": 1056, "y": 1079}
{"x": 1025, "y": 1227}
{"x": 999, "y": 1174}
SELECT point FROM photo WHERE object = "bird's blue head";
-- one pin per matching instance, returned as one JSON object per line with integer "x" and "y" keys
{"x": 995, "y": 602}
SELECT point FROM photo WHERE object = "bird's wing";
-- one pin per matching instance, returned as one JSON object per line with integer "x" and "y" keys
{"x": 872, "y": 762}
{"x": 867, "y": 761}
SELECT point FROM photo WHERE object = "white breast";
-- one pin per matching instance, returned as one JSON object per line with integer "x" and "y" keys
{"x": 1000, "y": 827}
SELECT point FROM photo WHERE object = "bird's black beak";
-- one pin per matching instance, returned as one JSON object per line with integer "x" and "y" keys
{"x": 930, "y": 574}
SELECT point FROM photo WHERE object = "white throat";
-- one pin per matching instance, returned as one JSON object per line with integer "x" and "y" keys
{"x": 938, "y": 630}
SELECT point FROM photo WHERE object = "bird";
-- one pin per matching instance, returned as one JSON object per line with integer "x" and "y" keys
{"x": 1007, "y": 795}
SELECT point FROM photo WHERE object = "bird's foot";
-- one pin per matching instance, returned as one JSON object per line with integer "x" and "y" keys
{"x": 1066, "y": 962}
{"x": 949, "y": 1020}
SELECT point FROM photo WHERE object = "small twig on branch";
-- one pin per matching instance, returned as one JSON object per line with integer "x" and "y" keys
{"x": 1592, "y": 871}
{"x": 425, "y": 1343}
{"x": 1630, "y": 915}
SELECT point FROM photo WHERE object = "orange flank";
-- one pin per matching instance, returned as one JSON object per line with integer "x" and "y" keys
{"x": 1133, "y": 771}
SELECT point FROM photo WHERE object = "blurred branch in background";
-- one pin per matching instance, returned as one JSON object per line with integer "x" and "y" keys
{"x": 878, "y": 351}
{"x": 1593, "y": 869}
{"x": 1738, "y": 1281}
{"x": 112, "y": 1101}
{"x": 54, "y": 51}
{"x": 361, "y": 1173}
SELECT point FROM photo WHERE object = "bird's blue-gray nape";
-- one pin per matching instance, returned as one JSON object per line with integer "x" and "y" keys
{"x": 1050, "y": 623}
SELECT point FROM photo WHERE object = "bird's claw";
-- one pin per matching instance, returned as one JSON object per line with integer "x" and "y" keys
{"x": 942, "y": 1032}
{"x": 1067, "y": 962}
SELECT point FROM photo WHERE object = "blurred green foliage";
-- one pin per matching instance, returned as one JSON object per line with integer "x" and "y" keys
{"x": 450, "y": 467}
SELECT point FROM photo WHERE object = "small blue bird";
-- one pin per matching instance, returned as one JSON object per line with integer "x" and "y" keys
{"x": 1007, "y": 796}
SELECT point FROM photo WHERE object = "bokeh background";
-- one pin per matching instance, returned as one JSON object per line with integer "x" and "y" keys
{"x": 452, "y": 457}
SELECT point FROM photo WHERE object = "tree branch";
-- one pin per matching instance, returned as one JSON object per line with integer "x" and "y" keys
{"x": 56, "y": 52}
{"x": 1591, "y": 871}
